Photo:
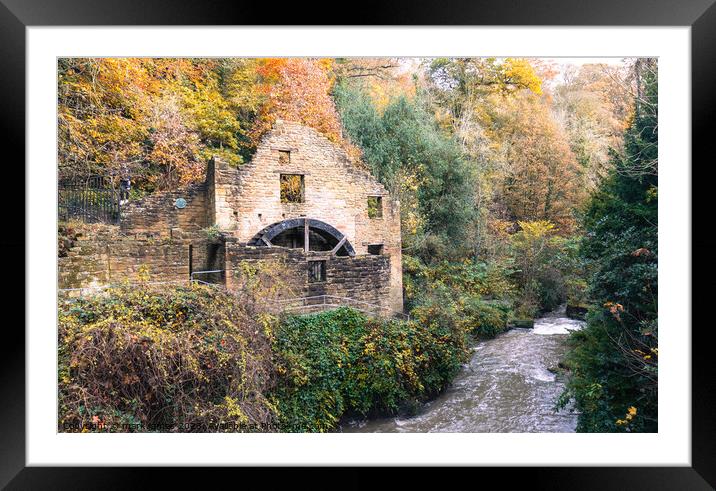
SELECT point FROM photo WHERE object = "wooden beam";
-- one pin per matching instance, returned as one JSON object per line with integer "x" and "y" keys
{"x": 306, "y": 245}
{"x": 338, "y": 246}
{"x": 266, "y": 241}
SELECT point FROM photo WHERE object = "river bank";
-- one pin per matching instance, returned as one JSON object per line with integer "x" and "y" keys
{"x": 509, "y": 385}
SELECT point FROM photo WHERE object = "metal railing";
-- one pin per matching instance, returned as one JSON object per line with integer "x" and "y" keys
{"x": 203, "y": 282}
{"x": 92, "y": 199}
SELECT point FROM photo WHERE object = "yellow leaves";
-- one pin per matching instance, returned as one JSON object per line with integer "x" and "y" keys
{"x": 646, "y": 356}
{"x": 536, "y": 229}
{"x": 615, "y": 309}
{"x": 143, "y": 274}
{"x": 628, "y": 418}
{"x": 211, "y": 114}
{"x": 519, "y": 71}
{"x": 369, "y": 348}
{"x": 233, "y": 409}
{"x": 384, "y": 90}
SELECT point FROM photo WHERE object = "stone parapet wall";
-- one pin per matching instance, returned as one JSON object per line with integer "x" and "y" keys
{"x": 156, "y": 214}
{"x": 99, "y": 262}
{"x": 364, "y": 278}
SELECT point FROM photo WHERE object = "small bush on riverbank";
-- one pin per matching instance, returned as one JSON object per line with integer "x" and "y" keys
{"x": 476, "y": 296}
{"x": 341, "y": 362}
{"x": 485, "y": 319}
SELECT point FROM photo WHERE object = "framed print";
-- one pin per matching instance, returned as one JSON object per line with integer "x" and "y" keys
{"x": 440, "y": 243}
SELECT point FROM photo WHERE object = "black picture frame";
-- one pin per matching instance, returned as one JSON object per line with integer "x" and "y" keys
{"x": 16, "y": 15}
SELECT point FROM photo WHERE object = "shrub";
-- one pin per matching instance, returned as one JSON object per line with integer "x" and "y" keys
{"x": 456, "y": 279}
{"x": 212, "y": 232}
{"x": 192, "y": 358}
{"x": 484, "y": 319}
{"x": 576, "y": 290}
{"x": 178, "y": 359}
{"x": 341, "y": 362}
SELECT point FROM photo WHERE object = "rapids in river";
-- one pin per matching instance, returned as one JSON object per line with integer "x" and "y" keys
{"x": 507, "y": 386}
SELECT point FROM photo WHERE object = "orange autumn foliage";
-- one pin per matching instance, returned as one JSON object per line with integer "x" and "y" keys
{"x": 299, "y": 90}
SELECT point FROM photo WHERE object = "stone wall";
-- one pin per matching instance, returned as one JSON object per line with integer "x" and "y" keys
{"x": 365, "y": 278}
{"x": 245, "y": 200}
{"x": 93, "y": 262}
{"x": 336, "y": 190}
{"x": 156, "y": 214}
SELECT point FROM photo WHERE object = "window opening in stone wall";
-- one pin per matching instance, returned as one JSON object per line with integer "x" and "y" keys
{"x": 375, "y": 206}
{"x": 375, "y": 249}
{"x": 284, "y": 157}
{"x": 316, "y": 271}
{"x": 292, "y": 188}
{"x": 191, "y": 260}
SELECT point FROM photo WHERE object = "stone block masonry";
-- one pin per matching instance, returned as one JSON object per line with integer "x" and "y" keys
{"x": 99, "y": 261}
{"x": 365, "y": 278}
{"x": 336, "y": 191}
{"x": 157, "y": 215}
{"x": 337, "y": 196}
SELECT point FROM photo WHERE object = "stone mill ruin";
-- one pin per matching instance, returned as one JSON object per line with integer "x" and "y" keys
{"x": 301, "y": 202}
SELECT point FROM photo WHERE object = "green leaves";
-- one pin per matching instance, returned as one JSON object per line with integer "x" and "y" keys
{"x": 619, "y": 348}
{"x": 341, "y": 362}
{"x": 415, "y": 160}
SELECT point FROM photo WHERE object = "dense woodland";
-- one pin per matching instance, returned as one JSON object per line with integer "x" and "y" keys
{"x": 523, "y": 184}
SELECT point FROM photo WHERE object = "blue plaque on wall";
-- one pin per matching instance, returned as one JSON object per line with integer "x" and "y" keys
{"x": 180, "y": 203}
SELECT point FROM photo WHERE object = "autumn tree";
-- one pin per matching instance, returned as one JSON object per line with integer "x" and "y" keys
{"x": 466, "y": 95}
{"x": 421, "y": 165}
{"x": 299, "y": 90}
{"x": 383, "y": 79}
{"x": 211, "y": 115}
{"x": 542, "y": 179}
{"x": 173, "y": 155}
{"x": 593, "y": 104}
{"x": 101, "y": 107}
{"x": 155, "y": 120}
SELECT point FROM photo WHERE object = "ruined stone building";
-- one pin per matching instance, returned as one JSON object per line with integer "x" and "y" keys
{"x": 301, "y": 201}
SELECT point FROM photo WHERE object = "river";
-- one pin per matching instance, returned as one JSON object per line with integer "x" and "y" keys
{"x": 506, "y": 387}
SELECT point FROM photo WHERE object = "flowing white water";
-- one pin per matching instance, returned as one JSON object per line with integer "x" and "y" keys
{"x": 506, "y": 387}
